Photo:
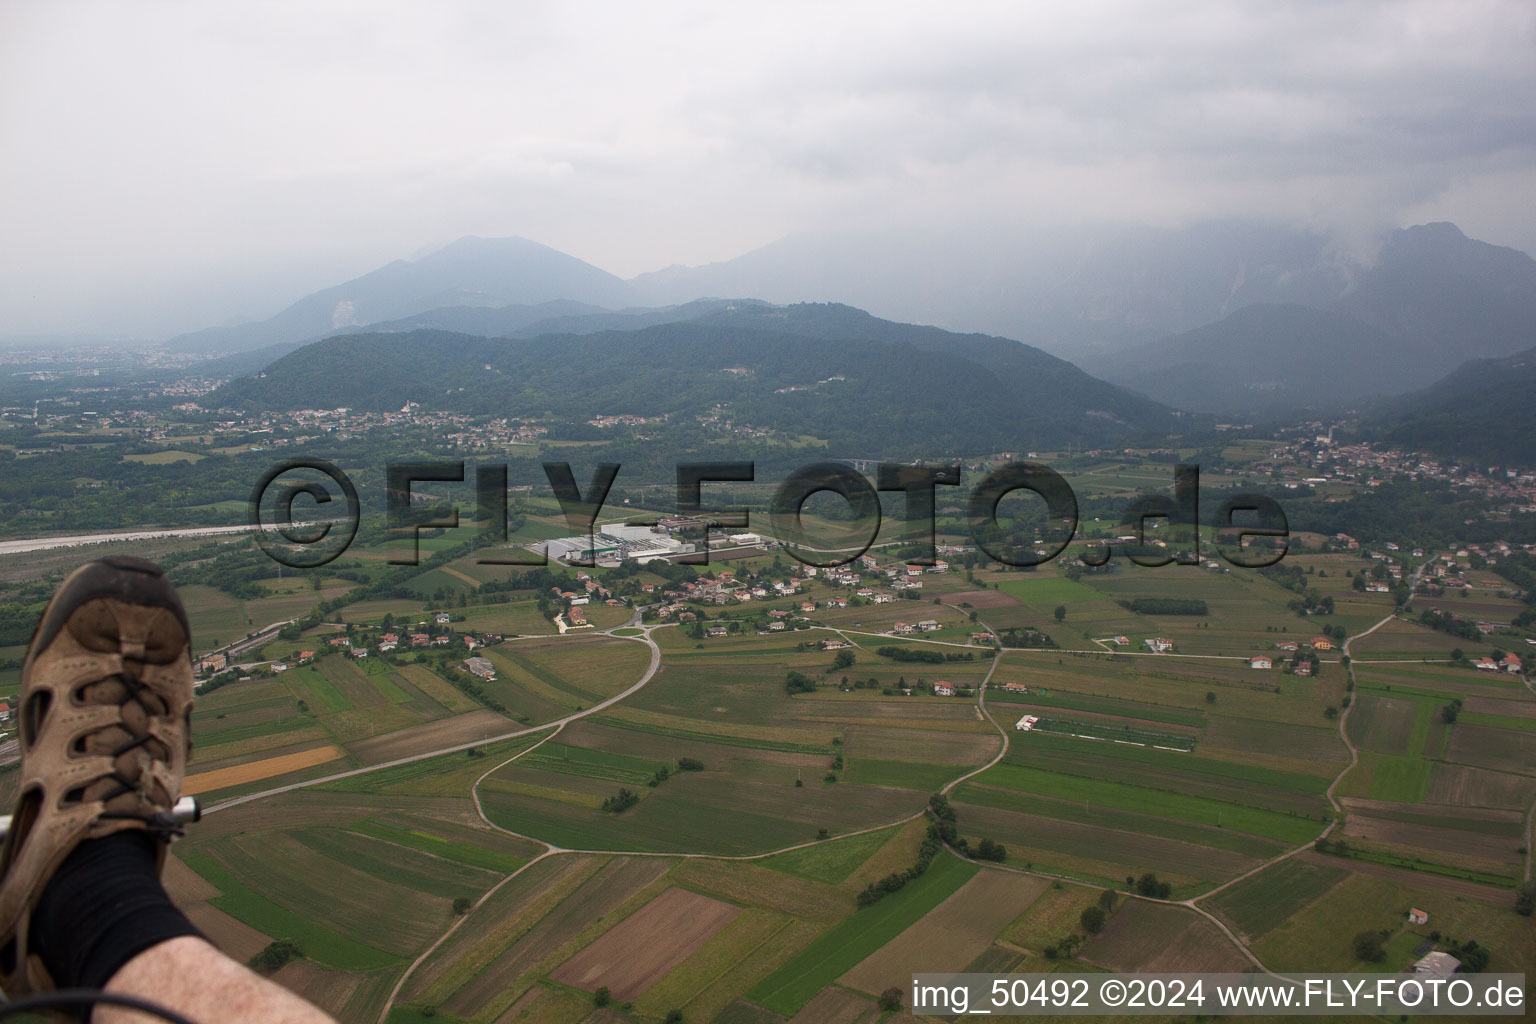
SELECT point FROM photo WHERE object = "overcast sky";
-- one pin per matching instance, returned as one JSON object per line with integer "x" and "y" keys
{"x": 172, "y": 165}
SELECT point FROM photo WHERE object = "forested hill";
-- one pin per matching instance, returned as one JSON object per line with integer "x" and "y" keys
{"x": 864, "y": 384}
{"x": 1485, "y": 411}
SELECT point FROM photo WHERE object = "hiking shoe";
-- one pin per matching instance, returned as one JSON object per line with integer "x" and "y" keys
{"x": 104, "y": 718}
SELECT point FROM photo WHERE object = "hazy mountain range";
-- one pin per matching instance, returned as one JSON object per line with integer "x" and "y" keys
{"x": 1233, "y": 319}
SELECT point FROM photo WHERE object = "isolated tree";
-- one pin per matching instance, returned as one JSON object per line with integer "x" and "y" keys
{"x": 462, "y": 904}
{"x": 274, "y": 956}
{"x": 602, "y": 996}
{"x": 844, "y": 659}
{"x": 1061, "y": 612}
{"x": 1525, "y": 899}
{"x": 1210, "y": 696}
{"x": 1107, "y": 900}
{"x": 1092, "y": 920}
{"x": 890, "y": 1000}
{"x": 1368, "y": 947}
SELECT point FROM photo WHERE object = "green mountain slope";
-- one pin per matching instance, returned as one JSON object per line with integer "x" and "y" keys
{"x": 866, "y": 384}
{"x": 1485, "y": 411}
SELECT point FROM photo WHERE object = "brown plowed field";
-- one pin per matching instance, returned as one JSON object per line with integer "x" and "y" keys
{"x": 1156, "y": 938}
{"x": 637, "y": 953}
{"x": 835, "y": 1005}
{"x": 1419, "y": 879}
{"x": 1475, "y": 850}
{"x": 1463, "y": 786}
{"x": 951, "y": 935}
{"x": 445, "y": 732}
{"x": 255, "y": 771}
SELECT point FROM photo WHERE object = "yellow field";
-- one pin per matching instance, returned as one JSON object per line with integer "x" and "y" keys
{"x": 236, "y": 775}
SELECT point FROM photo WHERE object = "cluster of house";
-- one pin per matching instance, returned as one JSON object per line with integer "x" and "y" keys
{"x": 1317, "y": 643}
{"x": 720, "y": 587}
{"x": 921, "y": 626}
{"x": 1508, "y": 663}
{"x": 902, "y": 577}
{"x": 384, "y": 644}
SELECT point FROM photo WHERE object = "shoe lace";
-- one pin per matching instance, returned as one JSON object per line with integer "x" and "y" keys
{"x": 162, "y": 824}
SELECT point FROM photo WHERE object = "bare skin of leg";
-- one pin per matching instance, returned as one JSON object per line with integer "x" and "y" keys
{"x": 197, "y": 981}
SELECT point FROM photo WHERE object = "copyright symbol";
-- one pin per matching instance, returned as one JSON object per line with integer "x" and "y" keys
{"x": 311, "y": 542}
{"x": 1112, "y": 992}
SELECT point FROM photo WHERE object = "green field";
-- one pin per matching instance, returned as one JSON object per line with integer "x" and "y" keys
{"x": 1048, "y": 590}
{"x": 1178, "y": 806}
{"x": 1110, "y": 732}
{"x": 845, "y": 945}
{"x": 1274, "y": 895}
{"x": 318, "y": 942}
{"x": 438, "y": 846}
{"x": 830, "y": 862}
{"x": 1100, "y": 705}
{"x": 591, "y": 764}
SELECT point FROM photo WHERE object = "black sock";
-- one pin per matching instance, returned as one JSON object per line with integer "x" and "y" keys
{"x": 103, "y": 906}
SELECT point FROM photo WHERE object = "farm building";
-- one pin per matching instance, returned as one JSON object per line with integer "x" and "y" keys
{"x": 1260, "y": 661}
{"x": 1322, "y": 643}
{"x": 481, "y": 667}
{"x": 1417, "y": 916}
{"x": 1016, "y": 687}
{"x": 943, "y": 689}
{"x": 1441, "y": 965}
{"x": 1027, "y": 723}
{"x": 1158, "y": 645}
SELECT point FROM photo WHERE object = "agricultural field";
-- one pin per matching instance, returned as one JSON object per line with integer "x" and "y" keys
{"x": 701, "y": 845}
{"x": 1262, "y": 902}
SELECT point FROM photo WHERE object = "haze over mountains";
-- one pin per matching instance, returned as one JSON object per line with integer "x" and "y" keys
{"x": 869, "y": 387}
{"x": 1232, "y": 319}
